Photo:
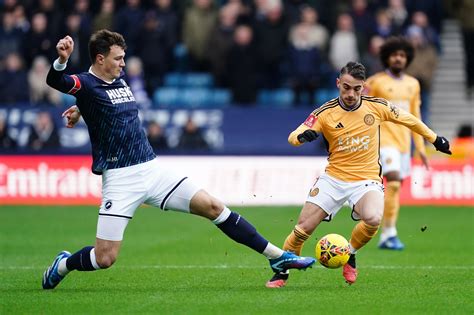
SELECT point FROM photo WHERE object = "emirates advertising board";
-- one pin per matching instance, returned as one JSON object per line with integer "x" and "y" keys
{"x": 236, "y": 180}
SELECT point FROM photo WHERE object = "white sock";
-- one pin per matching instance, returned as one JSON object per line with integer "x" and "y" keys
{"x": 272, "y": 252}
{"x": 352, "y": 249}
{"x": 222, "y": 217}
{"x": 388, "y": 232}
{"x": 93, "y": 260}
{"x": 62, "y": 269}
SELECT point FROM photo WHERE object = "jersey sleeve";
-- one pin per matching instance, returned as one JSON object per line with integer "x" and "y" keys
{"x": 312, "y": 122}
{"x": 57, "y": 79}
{"x": 399, "y": 116}
{"x": 415, "y": 111}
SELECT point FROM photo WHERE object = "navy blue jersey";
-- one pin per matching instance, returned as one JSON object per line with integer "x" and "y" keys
{"x": 111, "y": 114}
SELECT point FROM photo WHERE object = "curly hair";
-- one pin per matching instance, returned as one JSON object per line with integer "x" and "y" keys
{"x": 394, "y": 43}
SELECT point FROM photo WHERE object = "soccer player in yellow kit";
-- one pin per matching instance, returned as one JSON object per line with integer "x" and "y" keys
{"x": 350, "y": 127}
{"x": 401, "y": 90}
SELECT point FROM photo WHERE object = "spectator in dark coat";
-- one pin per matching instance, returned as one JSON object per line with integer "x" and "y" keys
{"x": 271, "y": 37}
{"x": 79, "y": 60}
{"x": 128, "y": 22}
{"x": 192, "y": 138}
{"x": 305, "y": 64}
{"x": 13, "y": 80}
{"x": 43, "y": 134}
{"x": 10, "y": 36}
{"x": 54, "y": 16}
{"x": 7, "y": 143}
{"x": 242, "y": 67}
{"x": 168, "y": 20}
{"x": 156, "y": 137}
{"x": 221, "y": 40}
{"x": 153, "y": 48}
{"x": 105, "y": 18}
{"x": 38, "y": 41}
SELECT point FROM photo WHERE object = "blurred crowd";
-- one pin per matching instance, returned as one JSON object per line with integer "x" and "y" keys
{"x": 245, "y": 45}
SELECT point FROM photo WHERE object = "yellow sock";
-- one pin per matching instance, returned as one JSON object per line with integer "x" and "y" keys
{"x": 391, "y": 203}
{"x": 294, "y": 242}
{"x": 362, "y": 234}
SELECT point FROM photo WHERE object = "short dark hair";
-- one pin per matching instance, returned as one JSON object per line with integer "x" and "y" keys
{"x": 394, "y": 43}
{"x": 102, "y": 40}
{"x": 355, "y": 69}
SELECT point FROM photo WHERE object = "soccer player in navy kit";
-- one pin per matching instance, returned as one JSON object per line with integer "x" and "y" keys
{"x": 130, "y": 173}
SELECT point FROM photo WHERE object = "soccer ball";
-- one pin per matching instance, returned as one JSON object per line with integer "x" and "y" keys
{"x": 332, "y": 251}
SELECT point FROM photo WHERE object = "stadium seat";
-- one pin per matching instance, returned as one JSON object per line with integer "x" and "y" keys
{"x": 166, "y": 96}
{"x": 173, "y": 79}
{"x": 195, "y": 97}
{"x": 279, "y": 98}
{"x": 323, "y": 95}
{"x": 180, "y": 54}
{"x": 197, "y": 79}
{"x": 191, "y": 79}
{"x": 68, "y": 100}
{"x": 221, "y": 97}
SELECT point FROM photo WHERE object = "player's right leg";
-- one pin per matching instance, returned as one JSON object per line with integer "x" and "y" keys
{"x": 241, "y": 231}
{"x": 310, "y": 217}
{"x": 369, "y": 208}
{"x": 110, "y": 230}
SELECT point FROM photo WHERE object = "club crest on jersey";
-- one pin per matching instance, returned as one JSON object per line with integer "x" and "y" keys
{"x": 314, "y": 192}
{"x": 310, "y": 120}
{"x": 108, "y": 205}
{"x": 369, "y": 119}
{"x": 120, "y": 95}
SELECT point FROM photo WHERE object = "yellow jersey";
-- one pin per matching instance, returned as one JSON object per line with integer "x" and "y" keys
{"x": 352, "y": 135}
{"x": 403, "y": 92}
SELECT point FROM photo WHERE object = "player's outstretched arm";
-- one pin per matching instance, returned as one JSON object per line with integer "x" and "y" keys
{"x": 398, "y": 116}
{"x": 72, "y": 115}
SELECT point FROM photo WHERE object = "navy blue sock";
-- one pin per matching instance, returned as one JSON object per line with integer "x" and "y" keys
{"x": 80, "y": 260}
{"x": 241, "y": 231}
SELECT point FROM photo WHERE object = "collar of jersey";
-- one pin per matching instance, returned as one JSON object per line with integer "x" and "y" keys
{"x": 95, "y": 75}
{"x": 390, "y": 74}
{"x": 347, "y": 108}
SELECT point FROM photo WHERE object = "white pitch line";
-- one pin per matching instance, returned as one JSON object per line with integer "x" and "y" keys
{"x": 400, "y": 267}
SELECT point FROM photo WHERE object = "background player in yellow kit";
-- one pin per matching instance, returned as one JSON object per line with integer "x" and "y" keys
{"x": 402, "y": 90}
{"x": 350, "y": 126}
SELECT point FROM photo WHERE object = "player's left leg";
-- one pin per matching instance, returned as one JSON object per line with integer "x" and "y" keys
{"x": 240, "y": 230}
{"x": 393, "y": 166}
{"x": 170, "y": 191}
{"x": 310, "y": 217}
{"x": 370, "y": 209}
{"x": 389, "y": 236}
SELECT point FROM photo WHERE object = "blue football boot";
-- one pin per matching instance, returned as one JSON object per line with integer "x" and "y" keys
{"x": 51, "y": 277}
{"x": 392, "y": 243}
{"x": 290, "y": 261}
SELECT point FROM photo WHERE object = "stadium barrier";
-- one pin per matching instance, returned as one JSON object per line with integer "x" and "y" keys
{"x": 67, "y": 180}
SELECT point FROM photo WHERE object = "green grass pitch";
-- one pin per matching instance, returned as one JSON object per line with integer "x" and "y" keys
{"x": 172, "y": 263}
